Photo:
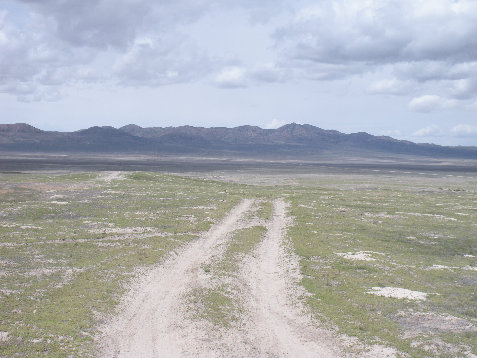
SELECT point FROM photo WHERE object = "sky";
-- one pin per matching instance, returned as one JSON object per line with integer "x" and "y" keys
{"x": 403, "y": 68}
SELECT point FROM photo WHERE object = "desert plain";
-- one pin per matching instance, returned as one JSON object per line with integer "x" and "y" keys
{"x": 228, "y": 258}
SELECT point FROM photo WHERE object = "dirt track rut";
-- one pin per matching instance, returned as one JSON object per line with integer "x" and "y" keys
{"x": 277, "y": 323}
{"x": 152, "y": 322}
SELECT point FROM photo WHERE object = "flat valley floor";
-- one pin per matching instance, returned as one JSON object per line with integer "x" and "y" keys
{"x": 286, "y": 260}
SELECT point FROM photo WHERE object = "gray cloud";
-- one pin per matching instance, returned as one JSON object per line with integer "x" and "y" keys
{"x": 346, "y": 31}
{"x": 131, "y": 42}
{"x": 32, "y": 63}
{"x": 426, "y": 71}
{"x": 427, "y": 48}
{"x": 429, "y": 41}
{"x": 155, "y": 61}
{"x": 117, "y": 23}
{"x": 113, "y": 23}
{"x": 268, "y": 72}
{"x": 321, "y": 71}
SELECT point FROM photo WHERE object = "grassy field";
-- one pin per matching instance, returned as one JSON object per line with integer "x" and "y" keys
{"x": 69, "y": 244}
{"x": 358, "y": 236}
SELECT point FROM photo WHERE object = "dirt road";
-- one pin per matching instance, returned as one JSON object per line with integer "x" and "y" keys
{"x": 153, "y": 322}
{"x": 277, "y": 324}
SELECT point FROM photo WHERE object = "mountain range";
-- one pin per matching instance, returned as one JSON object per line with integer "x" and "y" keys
{"x": 289, "y": 141}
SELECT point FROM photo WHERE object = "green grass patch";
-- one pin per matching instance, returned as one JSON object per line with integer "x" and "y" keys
{"x": 70, "y": 243}
{"x": 414, "y": 239}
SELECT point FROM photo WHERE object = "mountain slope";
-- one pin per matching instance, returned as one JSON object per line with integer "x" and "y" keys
{"x": 289, "y": 141}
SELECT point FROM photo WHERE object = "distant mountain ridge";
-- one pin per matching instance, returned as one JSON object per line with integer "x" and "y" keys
{"x": 289, "y": 141}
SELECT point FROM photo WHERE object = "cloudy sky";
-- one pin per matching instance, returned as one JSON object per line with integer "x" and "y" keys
{"x": 404, "y": 68}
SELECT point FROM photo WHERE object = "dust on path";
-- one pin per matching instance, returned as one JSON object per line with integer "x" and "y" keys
{"x": 153, "y": 320}
{"x": 150, "y": 322}
{"x": 276, "y": 322}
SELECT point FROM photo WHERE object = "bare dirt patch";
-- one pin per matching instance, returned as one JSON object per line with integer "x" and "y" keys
{"x": 150, "y": 323}
{"x": 110, "y": 176}
{"x": 360, "y": 255}
{"x": 277, "y": 324}
{"x": 155, "y": 321}
{"x": 397, "y": 292}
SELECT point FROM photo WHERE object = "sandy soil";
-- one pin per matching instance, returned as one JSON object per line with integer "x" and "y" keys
{"x": 153, "y": 321}
{"x": 276, "y": 323}
{"x": 397, "y": 292}
{"x": 150, "y": 323}
{"x": 110, "y": 176}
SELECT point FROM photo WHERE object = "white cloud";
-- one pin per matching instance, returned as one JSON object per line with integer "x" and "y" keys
{"x": 274, "y": 124}
{"x": 464, "y": 130}
{"x": 392, "y": 133}
{"x": 231, "y": 77}
{"x": 458, "y": 131}
{"x": 390, "y": 86}
{"x": 464, "y": 88}
{"x": 429, "y": 131}
{"x": 430, "y": 103}
{"x": 240, "y": 76}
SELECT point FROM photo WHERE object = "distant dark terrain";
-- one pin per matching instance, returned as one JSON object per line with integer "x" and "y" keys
{"x": 291, "y": 148}
{"x": 292, "y": 141}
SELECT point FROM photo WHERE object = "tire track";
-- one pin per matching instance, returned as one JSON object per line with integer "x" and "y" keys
{"x": 273, "y": 322}
{"x": 276, "y": 323}
{"x": 150, "y": 323}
